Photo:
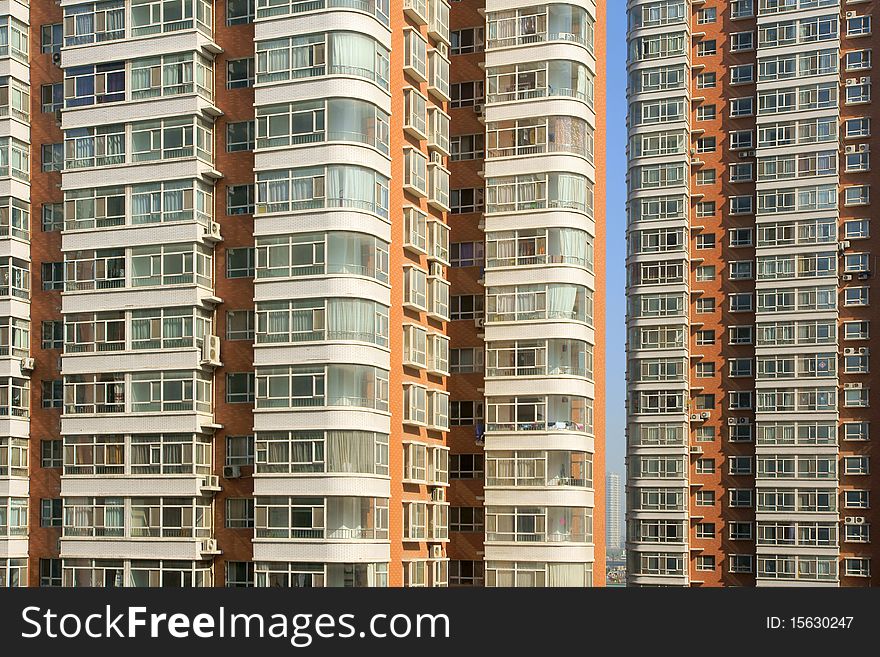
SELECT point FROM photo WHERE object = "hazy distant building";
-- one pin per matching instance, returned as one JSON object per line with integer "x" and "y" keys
{"x": 613, "y": 517}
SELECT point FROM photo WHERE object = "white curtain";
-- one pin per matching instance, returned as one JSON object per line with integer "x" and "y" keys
{"x": 351, "y": 319}
{"x": 567, "y": 574}
{"x": 350, "y": 451}
{"x": 562, "y": 301}
{"x": 570, "y": 190}
{"x": 350, "y": 186}
{"x": 352, "y": 51}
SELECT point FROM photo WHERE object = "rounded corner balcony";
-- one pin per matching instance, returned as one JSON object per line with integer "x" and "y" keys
{"x": 320, "y": 122}
{"x": 320, "y": 528}
{"x": 515, "y": 526}
{"x": 542, "y": 24}
{"x": 529, "y": 471}
{"x": 275, "y": 9}
{"x": 322, "y": 56}
{"x": 311, "y": 190}
{"x": 534, "y": 414}
{"x": 528, "y": 81}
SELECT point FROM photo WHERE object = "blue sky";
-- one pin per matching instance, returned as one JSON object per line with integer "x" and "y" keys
{"x": 616, "y": 231}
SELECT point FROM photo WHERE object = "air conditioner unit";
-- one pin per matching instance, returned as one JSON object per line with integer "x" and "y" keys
{"x": 436, "y": 551}
{"x": 852, "y": 386}
{"x": 742, "y": 420}
{"x": 231, "y": 471}
{"x": 857, "y": 520}
{"x": 850, "y": 82}
{"x": 27, "y": 364}
{"x": 746, "y": 154}
{"x": 849, "y": 351}
{"x": 479, "y": 322}
{"x": 849, "y": 150}
{"x": 211, "y": 351}
{"x": 435, "y": 269}
{"x": 864, "y": 351}
{"x": 56, "y": 58}
{"x": 847, "y": 277}
{"x": 850, "y": 14}
{"x": 863, "y": 276}
{"x": 209, "y": 546}
{"x": 695, "y": 417}
{"x": 845, "y": 244}
{"x": 478, "y": 109}
{"x": 705, "y": 415}
{"x": 212, "y": 232}
{"x": 58, "y": 117}
{"x": 696, "y": 449}
{"x": 438, "y": 494}
{"x": 864, "y": 80}
{"x": 443, "y": 49}
{"x": 436, "y": 157}
{"x": 864, "y": 148}
{"x": 731, "y": 420}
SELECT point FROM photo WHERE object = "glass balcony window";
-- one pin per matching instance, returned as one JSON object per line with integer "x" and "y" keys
{"x": 309, "y": 575}
{"x": 170, "y": 139}
{"x": 539, "y": 302}
{"x": 425, "y": 521}
{"x": 524, "y": 574}
{"x": 315, "y": 55}
{"x": 333, "y": 119}
{"x": 318, "y": 320}
{"x": 331, "y": 385}
{"x": 269, "y": 8}
{"x": 14, "y": 337}
{"x": 13, "y": 457}
{"x": 94, "y": 393}
{"x": 178, "y": 200}
{"x": 94, "y": 270}
{"x": 539, "y": 246}
{"x": 13, "y": 39}
{"x": 539, "y": 192}
{"x": 539, "y": 468}
{"x": 534, "y": 136}
{"x": 180, "y": 264}
{"x": 94, "y": 332}
{"x": 316, "y": 254}
{"x": 13, "y": 516}
{"x": 330, "y": 518}
{"x": 552, "y": 357}
{"x": 94, "y": 147}
{"x": 172, "y": 75}
{"x": 438, "y": 75}
{"x": 15, "y": 278}
{"x": 540, "y": 413}
{"x": 438, "y": 20}
{"x": 15, "y": 218}
{"x": 554, "y": 78}
{"x": 438, "y": 130}
{"x": 14, "y": 159}
{"x": 797, "y": 568}
{"x": 15, "y": 99}
{"x": 438, "y": 187}
{"x": 14, "y": 397}
{"x": 160, "y": 16}
{"x": 169, "y": 328}
{"x": 159, "y": 392}
{"x": 539, "y": 524}
{"x": 553, "y": 22}
{"x": 797, "y": 433}
{"x": 331, "y": 186}
{"x": 307, "y": 452}
{"x": 94, "y": 22}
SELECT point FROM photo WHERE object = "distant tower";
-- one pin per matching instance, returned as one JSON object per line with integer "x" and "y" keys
{"x": 613, "y": 525}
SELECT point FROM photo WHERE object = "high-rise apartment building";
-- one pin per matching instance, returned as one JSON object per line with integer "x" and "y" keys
{"x": 613, "y": 512}
{"x": 750, "y": 270}
{"x": 286, "y": 282}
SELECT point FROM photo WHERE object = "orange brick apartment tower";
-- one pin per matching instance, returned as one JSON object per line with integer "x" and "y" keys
{"x": 277, "y": 273}
{"x": 749, "y": 279}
